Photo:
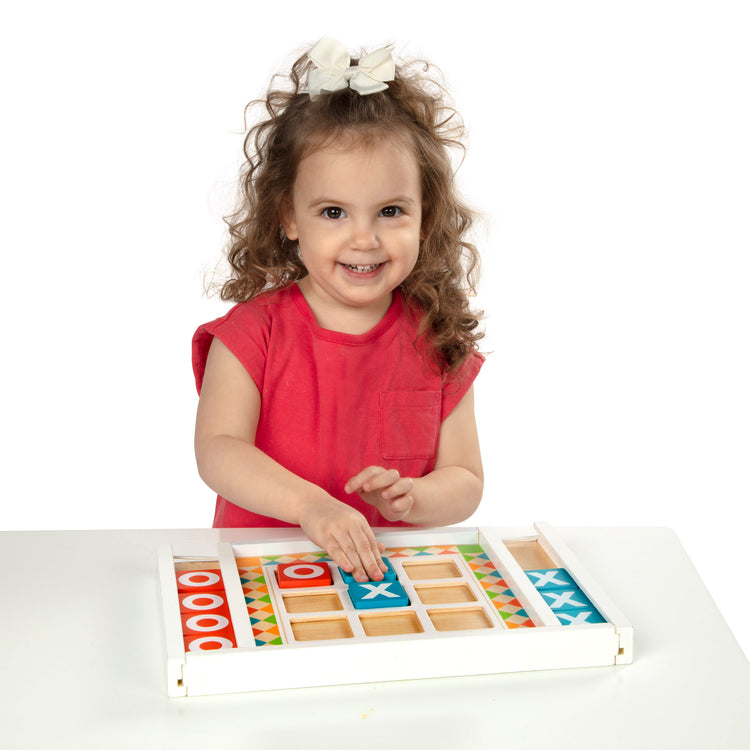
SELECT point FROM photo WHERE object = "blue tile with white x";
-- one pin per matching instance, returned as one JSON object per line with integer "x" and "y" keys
{"x": 551, "y": 579}
{"x": 566, "y": 599}
{"x": 378, "y": 594}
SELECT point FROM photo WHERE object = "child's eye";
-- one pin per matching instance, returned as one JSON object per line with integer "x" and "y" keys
{"x": 390, "y": 211}
{"x": 332, "y": 212}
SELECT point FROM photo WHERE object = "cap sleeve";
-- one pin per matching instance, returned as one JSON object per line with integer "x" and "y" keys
{"x": 244, "y": 331}
{"x": 457, "y": 385}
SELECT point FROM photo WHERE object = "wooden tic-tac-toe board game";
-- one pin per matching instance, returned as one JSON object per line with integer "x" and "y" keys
{"x": 457, "y": 601}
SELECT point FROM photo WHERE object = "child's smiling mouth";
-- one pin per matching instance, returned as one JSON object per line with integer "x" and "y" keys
{"x": 362, "y": 269}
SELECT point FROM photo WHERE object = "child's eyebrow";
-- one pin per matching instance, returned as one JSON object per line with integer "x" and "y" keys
{"x": 404, "y": 199}
{"x": 324, "y": 202}
{"x": 399, "y": 199}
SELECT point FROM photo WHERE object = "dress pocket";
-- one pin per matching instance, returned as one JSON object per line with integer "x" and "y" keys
{"x": 409, "y": 423}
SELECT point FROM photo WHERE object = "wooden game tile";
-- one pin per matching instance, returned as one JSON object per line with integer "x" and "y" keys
{"x": 205, "y": 623}
{"x": 566, "y": 600}
{"x": 377, "y": 595}
{"x": 452, "y": 593}
{"x": 296, "y": 575}
{"x": 391, "y": 623}
{"x": 583, "y": 617}
{"x": 321, "y": 630}
{"x": 324, "y": 601}
{"x": 208, "y": 642}
{"x": 549, "y": 580}
{"x": 200, "y": 580}
{"x": 204, "y": 601}
{"x": 445, "y": 620}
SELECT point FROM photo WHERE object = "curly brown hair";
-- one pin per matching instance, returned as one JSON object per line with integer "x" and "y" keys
{"x": 414, "y": 109}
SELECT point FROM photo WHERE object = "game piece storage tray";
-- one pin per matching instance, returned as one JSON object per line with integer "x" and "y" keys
{"x": 479, "y": 602}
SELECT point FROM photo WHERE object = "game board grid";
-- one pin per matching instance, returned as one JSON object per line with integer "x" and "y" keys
{"x": 263, "y": 619}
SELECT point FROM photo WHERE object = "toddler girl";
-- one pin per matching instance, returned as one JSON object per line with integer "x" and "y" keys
{"x": 337, "y": 394}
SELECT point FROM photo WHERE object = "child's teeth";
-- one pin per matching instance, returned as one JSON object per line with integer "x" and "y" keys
{"x": 363, "y": 269}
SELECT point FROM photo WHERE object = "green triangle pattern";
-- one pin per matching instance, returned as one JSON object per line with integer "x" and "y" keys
{"x": 472, "y": 550}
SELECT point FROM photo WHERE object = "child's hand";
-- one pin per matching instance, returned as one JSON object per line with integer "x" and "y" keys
{"x": 345, "y": 535}
{"x": 386, "y": 489}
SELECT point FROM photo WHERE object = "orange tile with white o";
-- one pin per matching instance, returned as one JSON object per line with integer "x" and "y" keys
{"x": 206, "y": 623}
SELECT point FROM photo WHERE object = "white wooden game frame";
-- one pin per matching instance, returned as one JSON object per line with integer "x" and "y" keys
{"x": 359, "y": 659}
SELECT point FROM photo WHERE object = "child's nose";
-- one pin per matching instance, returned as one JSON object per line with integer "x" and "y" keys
{"x": 364, "y": 236}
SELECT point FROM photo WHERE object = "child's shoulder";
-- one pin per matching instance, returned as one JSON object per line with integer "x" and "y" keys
{"x": 245, "y": 329}
{"x": 256, "y": 311}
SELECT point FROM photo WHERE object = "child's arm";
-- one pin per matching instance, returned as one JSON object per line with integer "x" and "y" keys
{"x": 231, "y": 464}
{"x": 448, "y": 494}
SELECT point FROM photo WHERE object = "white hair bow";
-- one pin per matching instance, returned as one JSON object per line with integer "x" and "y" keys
{"x": 333, "y": 71}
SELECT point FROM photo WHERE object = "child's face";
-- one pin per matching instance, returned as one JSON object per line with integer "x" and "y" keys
{"x": 356, "y": 213}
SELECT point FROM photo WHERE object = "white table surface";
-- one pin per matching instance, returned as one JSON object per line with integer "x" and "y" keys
{"x": 82, "y": 664}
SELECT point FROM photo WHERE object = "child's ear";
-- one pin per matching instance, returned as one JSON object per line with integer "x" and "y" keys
{"x": 287, "y": 220}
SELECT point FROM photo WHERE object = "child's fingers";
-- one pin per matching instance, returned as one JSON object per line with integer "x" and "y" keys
{"x": 401, "y": 506}
{"x": 360, "y": 554}
{"x": 356, "y": 551}
{"x": 371, "y": 479}
{"x": 402, "y": 487}
{"x": 357, "y": 482}
{"x": 398, "y": 509}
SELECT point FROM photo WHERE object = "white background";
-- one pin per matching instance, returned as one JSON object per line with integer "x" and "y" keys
{"x": 608, "y": 153}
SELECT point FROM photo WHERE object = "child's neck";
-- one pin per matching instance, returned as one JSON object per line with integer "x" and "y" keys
{"x": 334, "y": 316}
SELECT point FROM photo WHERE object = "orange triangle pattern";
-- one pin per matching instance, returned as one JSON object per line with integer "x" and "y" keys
{"x": 499, "y": 592}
